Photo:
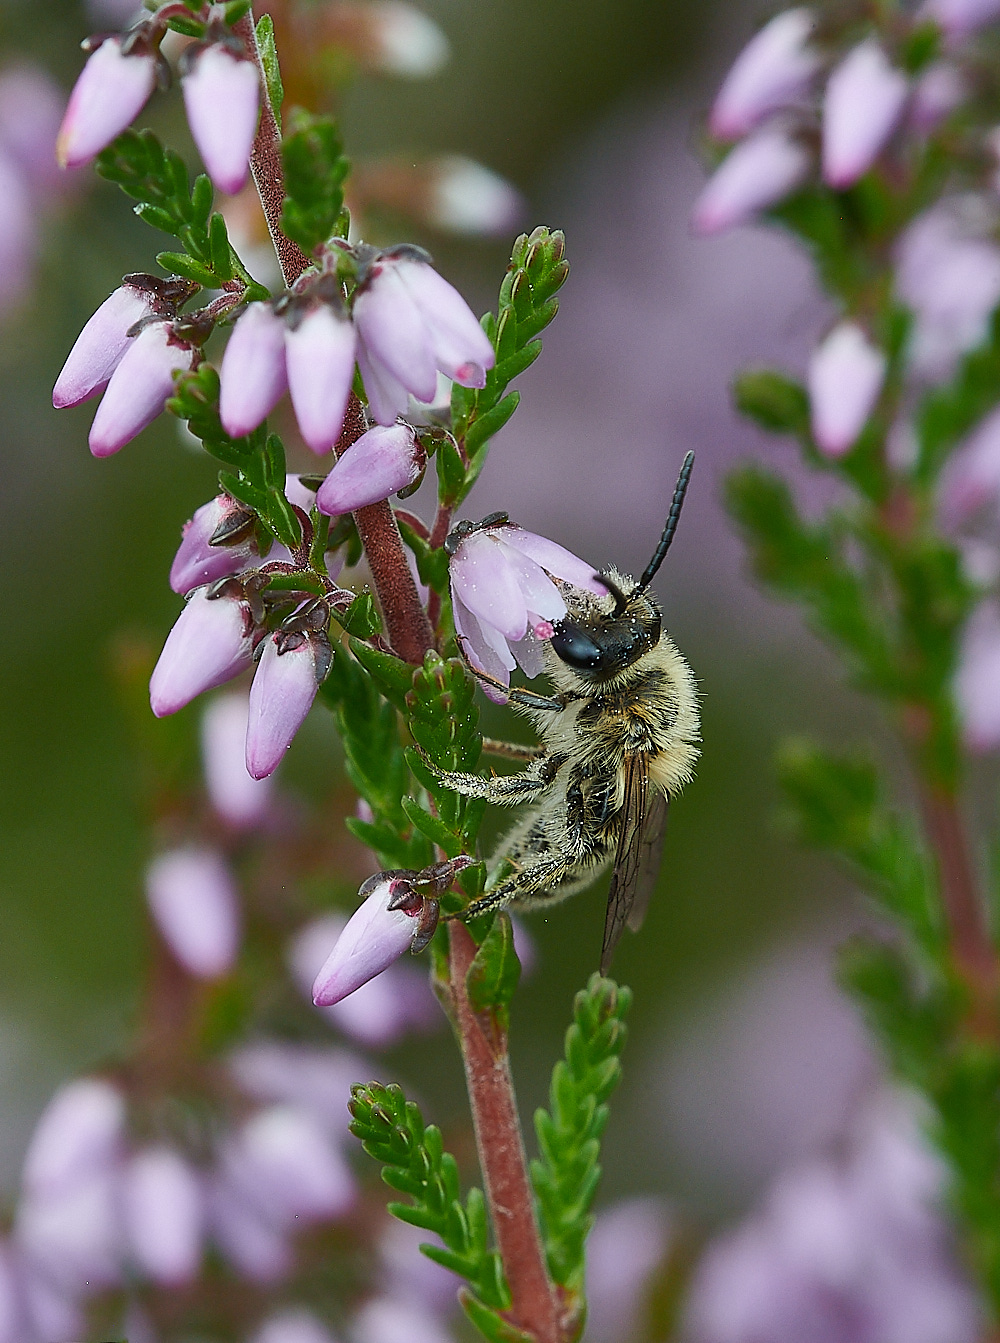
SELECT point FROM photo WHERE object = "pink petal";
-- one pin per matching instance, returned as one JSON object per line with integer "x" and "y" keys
{"x": 865, "y": 97}
{"x": 846, "y": 374}
{"x": 758, "y": 173}
{"x": 772, "y": 71}
{"x": 382, "y": 462}
{"x": 99, "y": 347}
{"x": 284, "y": 687}
{"x": 320, "y": 354}
{"x": 488, "y": 585}
{"x": 375, "y": 937}
{"x": 111, "y": 90}
{"x": 138, "y": 389}
{"x": 196, "y": 908}
{"x": 394, "y": 330}
{"x": 253, "y": 376}
{"x": 222, "y": 100}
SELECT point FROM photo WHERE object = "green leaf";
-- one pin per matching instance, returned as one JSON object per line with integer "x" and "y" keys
{"x": 315, "y": 169}
{"x": 492, "y": 1326}
{"x": 493, "y": 976}
{"x": 565, "y": 1176}
{"x": 179, "y": 263}
{"x": 433, "y": 827}
{"x": 392, "y": 675}
{"x": 491, "y": 423}
{"x": 269, "y": 60}
{"x": 361, "y": 619}
{"x": 773, "y": 401}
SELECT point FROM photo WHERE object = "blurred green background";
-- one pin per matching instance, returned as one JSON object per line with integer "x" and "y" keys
{"x": 591, "y": 108}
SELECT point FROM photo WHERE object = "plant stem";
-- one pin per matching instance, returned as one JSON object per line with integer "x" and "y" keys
{"x": 406, "y": 621}
{"x": 501, "y": 1152}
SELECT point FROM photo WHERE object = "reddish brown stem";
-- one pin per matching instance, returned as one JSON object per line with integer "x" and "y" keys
{"x": 406, "y": 620}
{"x": 502, "y": 1158}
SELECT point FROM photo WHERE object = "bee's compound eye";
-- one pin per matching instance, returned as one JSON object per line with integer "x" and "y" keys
{"x": 574, "y": 647}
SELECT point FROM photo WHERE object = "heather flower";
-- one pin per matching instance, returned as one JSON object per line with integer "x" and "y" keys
{"x": 292, "y": 1326}
{"x": 382, "y": 462}
{"x": 948, "y": 274}
{"x": 241, "y": 801}
{"x": 253, "y": 376}
{"x": 411, "y": 323}
{"x": 163, "y": 1214}
{"x": 464, "y": 197}
{"x": 774, "y": 70}
{"x": 256, "y": 1247}
{"x": 99, "y": 347}
{"x": 759, "y": 173}
{"x": 72, "y": 1236}
{"x": 290, "y": 671}
{"x": 504, "y": 599}
{"x": 375, "y": 936}
{"x": 404, "y": 41}
{"x": 865, "y": 97}
{"x": 846, "y": 373}
{"x": 198, "y": 561}
{"x": 284, "y": 1164}
{"x": 938, "y": 90}
{"x": 385, "y": 1320}
{"x": 959, "y": 18}
{"x": 222, "y": 101}
{"x": 80, "y": 1131}
{"x": 139, "y": 387}
{"x": 112, "y": 89}
{"x": 211, "y": 642}
{"x": 394, "y": 1003}
{"x": 194, "y": 902}
{"x": 31, "y": 108}
{"x": 970, "y": 481}
{"x": 314, "y": 1078}
{"x": 628, "y": 1243}
{"x": 17, "y": 232}
{"x": 320, "y": 351}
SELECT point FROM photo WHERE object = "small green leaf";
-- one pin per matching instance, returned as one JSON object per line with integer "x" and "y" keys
{"x": 178, "y": 263}
{"x": 490, "y": 1324}
{"x": 433, "y": 827}
{"x": 493, "y": 976}
{"x": 773, "y": 401}
{"x": 269, "y": 60}
{"x": 222, "y": 257}
{"x": 315, "y": 169}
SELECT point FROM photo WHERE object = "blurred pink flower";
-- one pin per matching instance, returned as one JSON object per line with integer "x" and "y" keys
{"x": 970, "y": 480}
{"x": 756, "y": 174}
{"x": 222, "y": 100}
{"x": 194, "y": 902}
{"x": 81, "y": 1131}
{"x": 977, "y": 680}
{"x": 865, "y": 97}
{"x": 774, "y": 70}
{"x": 937, "y": 92}
{"x": 292, "y": 1326}
{"x": 630, "y": 1240}
{"x": 959, "y": 18}
{"x": 385, "y": 1320}
{"x": 846, "y": 373}
{"x": 242, "y": 801}
{"x": 164, "y": 1214}
{"x": 466, "y": 198}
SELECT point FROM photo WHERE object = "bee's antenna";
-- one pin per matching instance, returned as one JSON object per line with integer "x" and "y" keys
{"x": 673, "y": 517}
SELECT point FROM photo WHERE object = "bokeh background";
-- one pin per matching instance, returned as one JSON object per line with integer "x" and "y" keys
{"x": 743, "y": 1056}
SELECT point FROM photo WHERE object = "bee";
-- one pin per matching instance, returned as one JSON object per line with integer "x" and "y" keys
{"x": 618, "y": 740}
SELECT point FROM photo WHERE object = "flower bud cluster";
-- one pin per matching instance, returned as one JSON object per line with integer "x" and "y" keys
{"x": 404, "y": 325}
{"x": 797, "y": 99}
{"x": 221, "y": 90}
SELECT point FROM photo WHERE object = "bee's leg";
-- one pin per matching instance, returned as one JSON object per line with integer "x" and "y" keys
{"x": 512, "y": 750}
{"x": 521, "y": 886}
{"x": 505, "y": 790}
{"x": 528, "y": 698}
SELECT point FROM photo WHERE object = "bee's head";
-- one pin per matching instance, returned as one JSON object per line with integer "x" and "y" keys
{"x": 598, "y": 644}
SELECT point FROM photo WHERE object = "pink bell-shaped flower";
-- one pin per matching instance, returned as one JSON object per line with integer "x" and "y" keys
{"x": 977, "y": 680}
{"x": 865, "y": 98}
{"x": 959, "y": 18}
{"x": 772, "y": 71}
{"x": 242, "y": 801}
{"x": 253, "y": 377}
{"x": 504, "y": 602}
{"x": 111, "y": 90}
{"x": 846, "y": 373}
{"x": 756, "y": 174}
{"x": 375, "y": 937}
{"x": 196, "y": 908}
{"x": 163, "y": 1213}
{"x": 411, "y": 323}
{"x": 288, "y": 675}
{"x": 320, "y": 357}
{"x": 99, "y": 347}
{"x": 382, "y": 462}
{"x": 211, "y": 642}
{"x": 198, "y": 561}
{"x": 139, "y": 387}
{"x": 222, "y": 101}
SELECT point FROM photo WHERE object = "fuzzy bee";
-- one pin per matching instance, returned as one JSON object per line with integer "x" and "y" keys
{"x": 619, "y": 739}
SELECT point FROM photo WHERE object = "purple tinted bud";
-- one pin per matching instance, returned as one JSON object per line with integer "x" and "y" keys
{"x": 375, "y": 937}
{"x": 411, "y": 322}
{"x": 758, "y": 173}
{"x": 31, "y": 108}
{"x": 257, "y": 1248}
{"x": 73, "y": 1237}
{"x": 504, "y": 601}
{"x": 284, "y": 687}
{"x": 846, "y": 373}
{"x": 865, "y": 97}
{"x": 196, "y": 908}
{"x": 211, "y": 642}
{"x": 197, "y": 562}
{"x": 100, "y": 346}
{"x": 772, "y": 71}
{"x": 291, "y": 1326}
{"x": 320, "y": 355}
{"x": 111, "y": 90}
{"x": 222, "y": 99}
{"x": 959, "y": 18}
{"x": 163, "y": 1212}
{"x": 383, "y": 461}
{"x": 970, "y": 480}
{"x": 467, "y": 198}
{"x": 977, "y": 681}
{"x": 240, "y": 800}
{"x": 17, "y": 232}
{"x": 53, "y": 1312}
{"x": 80, "y": 1132}
{"x": 138, "y": 388}
{"x": 402, "y": 40}
{"x": 311, "y": 1077}
{"x": 253, "y": 377}
{"x": 380, "y": 1012}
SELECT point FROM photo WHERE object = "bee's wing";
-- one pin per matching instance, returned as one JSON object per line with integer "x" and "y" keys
{"x": 637, "y": 858}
